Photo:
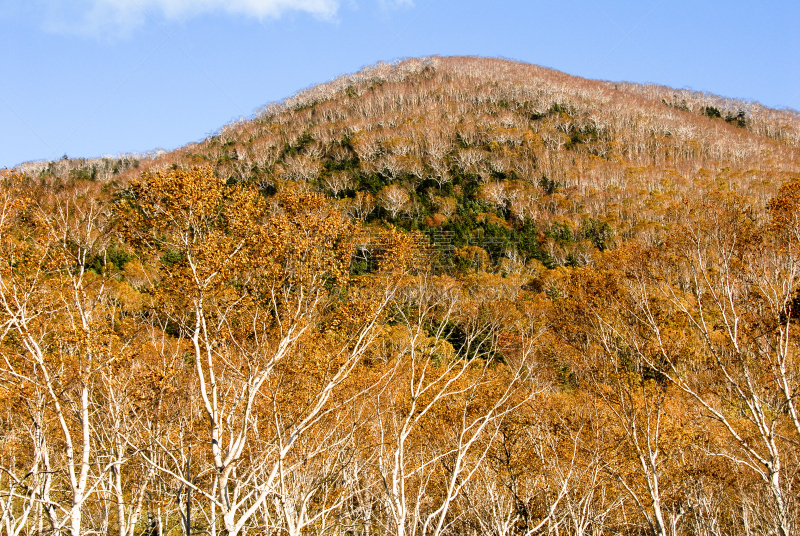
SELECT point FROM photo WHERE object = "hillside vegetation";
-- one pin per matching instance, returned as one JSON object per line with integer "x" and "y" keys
{"x": 442, "y": 296}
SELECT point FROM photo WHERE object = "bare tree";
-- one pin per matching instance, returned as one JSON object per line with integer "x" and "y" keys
{"x": 394, "y": 199}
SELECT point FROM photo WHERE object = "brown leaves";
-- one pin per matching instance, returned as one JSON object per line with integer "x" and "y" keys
{"x": 784, "y": 212}
{"x": 307, "y": 240}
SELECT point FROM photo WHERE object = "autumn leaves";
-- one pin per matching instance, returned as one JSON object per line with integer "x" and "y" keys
{"x": 250, "y": 359}
{"x": 234, "y": 351}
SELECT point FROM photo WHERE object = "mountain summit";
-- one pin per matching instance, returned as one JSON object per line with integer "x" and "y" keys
{"x": 481, "y": 148}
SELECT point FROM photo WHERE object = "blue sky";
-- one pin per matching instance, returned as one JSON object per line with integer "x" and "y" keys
{"x": 94, "y": 77}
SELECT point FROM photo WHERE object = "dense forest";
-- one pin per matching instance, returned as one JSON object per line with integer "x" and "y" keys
{"x": 445, "y": 296}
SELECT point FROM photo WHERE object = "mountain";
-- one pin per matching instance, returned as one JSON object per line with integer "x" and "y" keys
{"x": 477, "y": 147}
{"x": 441, "y": 296}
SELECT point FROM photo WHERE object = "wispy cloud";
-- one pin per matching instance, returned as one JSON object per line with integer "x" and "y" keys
{"x": 115, "y": 17}
{"x": 395, "y": 4}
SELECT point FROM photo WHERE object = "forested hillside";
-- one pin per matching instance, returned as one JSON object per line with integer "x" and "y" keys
{"x": 442, "y": 296}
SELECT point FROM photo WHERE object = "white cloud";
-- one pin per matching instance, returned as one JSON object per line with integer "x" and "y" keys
{"x": 114, "y": 17}
{"x": 253, "y": 8}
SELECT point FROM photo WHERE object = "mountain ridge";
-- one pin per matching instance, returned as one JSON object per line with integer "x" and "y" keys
{"x": 685, "y": 98}
{"x": 493, "y": 150}
{"x": 449, "y": 296}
